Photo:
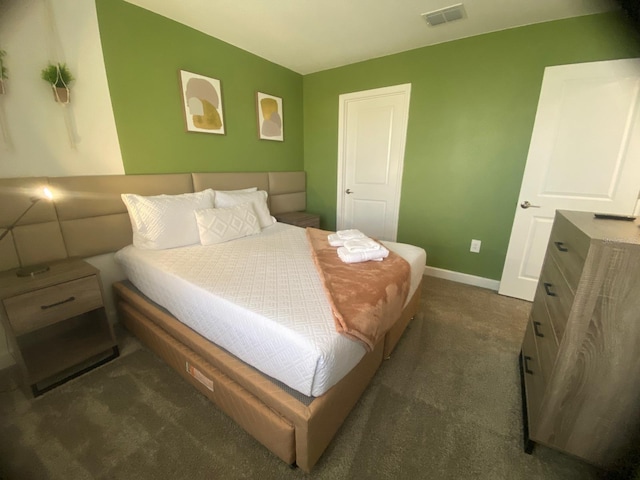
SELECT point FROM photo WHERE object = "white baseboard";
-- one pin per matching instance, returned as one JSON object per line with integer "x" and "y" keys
{"x": 462, "y": 278}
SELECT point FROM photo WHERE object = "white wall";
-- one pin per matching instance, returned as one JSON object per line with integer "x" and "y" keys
{"x": 35, "y": 139}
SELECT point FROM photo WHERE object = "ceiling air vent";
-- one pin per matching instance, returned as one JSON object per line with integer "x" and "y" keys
{"x": 444, "y": 15}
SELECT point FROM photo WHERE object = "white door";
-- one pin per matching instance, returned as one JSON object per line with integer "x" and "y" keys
{"x": 371, "y": 139}
{"x": 584, "y": 155}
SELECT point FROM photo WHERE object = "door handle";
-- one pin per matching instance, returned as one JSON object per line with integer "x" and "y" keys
{"x": 526, "y": 204}
{"x": 348, "y": 191}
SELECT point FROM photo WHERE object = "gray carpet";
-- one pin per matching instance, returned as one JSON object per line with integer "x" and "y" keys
{"x": 446, "y": 406}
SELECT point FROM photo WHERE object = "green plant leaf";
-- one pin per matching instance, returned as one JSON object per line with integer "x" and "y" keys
{"x": 57, "y": 75}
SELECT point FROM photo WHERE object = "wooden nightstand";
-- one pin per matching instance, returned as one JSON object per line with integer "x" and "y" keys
{"x": 300, "y": 219}
{"x": 56, "y": 323}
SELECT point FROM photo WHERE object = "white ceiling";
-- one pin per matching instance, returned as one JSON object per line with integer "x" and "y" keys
{"x": 307, "y": 36}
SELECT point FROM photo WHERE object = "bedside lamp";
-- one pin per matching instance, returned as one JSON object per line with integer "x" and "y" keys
{"x": 35, "y": 269}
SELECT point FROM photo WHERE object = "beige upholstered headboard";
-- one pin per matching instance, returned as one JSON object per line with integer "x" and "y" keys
{"x": 87, "y": 216}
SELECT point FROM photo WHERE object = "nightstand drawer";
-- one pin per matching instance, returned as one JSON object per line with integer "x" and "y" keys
{"x": 37, "y": 309}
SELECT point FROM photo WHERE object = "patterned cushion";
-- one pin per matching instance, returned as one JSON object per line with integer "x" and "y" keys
{"x": 218, "y": 225}
{"x": 166, "y": 221}
{"x": 258, "y": 199}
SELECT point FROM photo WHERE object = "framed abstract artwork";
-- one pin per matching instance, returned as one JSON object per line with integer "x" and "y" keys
{"x": 270, "y": 120}
{"x": 202, "y": 103}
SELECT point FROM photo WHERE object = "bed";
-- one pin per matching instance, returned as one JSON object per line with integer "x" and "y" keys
{"x": 295, "y": 419}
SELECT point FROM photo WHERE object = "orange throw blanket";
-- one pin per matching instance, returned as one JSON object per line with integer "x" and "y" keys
{"x": 366, "y": 298}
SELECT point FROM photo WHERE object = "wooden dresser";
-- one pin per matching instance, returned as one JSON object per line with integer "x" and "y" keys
{"x": 580, "y": 358}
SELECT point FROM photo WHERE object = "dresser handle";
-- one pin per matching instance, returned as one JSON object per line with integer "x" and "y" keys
{"x": 536, "y": 331}
{"x": 526, "y": 365}
{"x": 547, "y": 288}
{"x": 561, "y": 246}
{"x": 70, "y": 299}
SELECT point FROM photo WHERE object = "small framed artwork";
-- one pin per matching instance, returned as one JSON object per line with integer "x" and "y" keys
{"x": 202, "y": 103}
{"x": 270, "y": 121}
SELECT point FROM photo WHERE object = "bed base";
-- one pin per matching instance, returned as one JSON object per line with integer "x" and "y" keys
{"x": 297, "y": 433}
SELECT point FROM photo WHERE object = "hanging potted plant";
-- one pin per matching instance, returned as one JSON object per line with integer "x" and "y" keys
{"x": 3, "y": 72}
{"x": 59, "y": 76}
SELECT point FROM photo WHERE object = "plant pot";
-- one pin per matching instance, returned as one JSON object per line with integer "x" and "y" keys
{"x": 61, "y": 94}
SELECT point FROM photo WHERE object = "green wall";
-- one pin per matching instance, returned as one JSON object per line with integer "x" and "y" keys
{"x": 143, "y": 53}
{"x": 473, "y": 103}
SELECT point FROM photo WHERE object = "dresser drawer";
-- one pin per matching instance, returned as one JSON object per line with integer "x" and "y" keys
{"x": 37, "y": 309}
{"x": 568, "y": 246}
{"x": 544, "y": 336}
{"x": 553, "y": 290}
{"x": 533, "y": 379}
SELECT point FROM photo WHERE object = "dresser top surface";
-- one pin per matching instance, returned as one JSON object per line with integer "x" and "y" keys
{"x": 620, "y": 231}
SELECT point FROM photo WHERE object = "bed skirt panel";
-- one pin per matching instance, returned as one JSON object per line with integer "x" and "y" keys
{"x": 265, "y": 425}
{"x": 246, "y": 376}
{"x": 392, "y": 337}
{"x": 295, "y": 431}
{"x": 328, "y": 412}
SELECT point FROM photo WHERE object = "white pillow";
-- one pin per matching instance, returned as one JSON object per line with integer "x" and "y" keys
{"x": 166, "y": 221}
{"x": 217, "y": 225}
{"x": 258, "y": 199}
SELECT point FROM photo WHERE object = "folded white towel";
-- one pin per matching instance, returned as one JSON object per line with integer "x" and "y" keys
{"x": 356, "y": 257}
{"x": 361, "y": 245}
{"x": 335, "y": 240}
{"x": 350, "y": 234}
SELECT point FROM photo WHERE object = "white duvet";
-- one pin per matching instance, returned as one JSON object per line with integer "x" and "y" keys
{"x": 260, "y": 298}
